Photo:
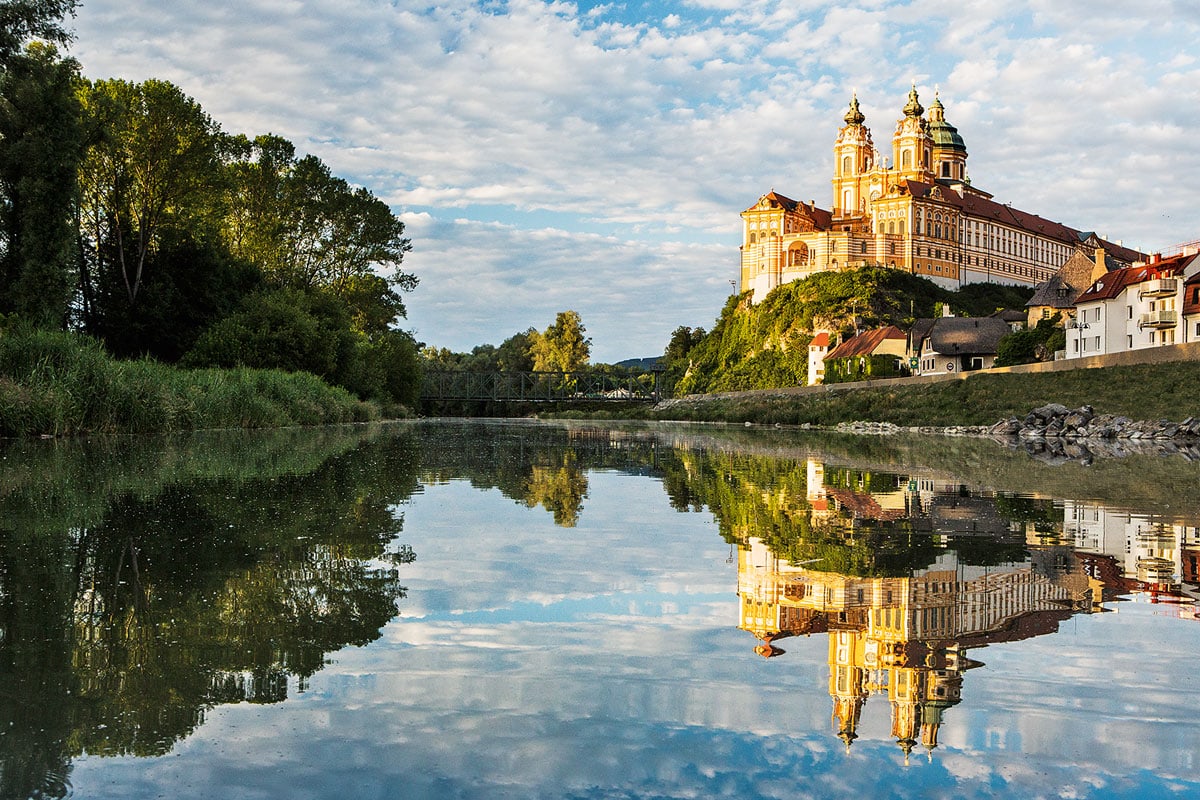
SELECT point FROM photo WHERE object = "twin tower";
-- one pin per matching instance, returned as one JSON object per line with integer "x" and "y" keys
{"x": 925, "y": 150}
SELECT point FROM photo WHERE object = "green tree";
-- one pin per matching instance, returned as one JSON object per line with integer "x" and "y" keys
{"x": 40, "y": 149}
{"x": 282, "y": 329}
{"x": 23, "y": 20}
{"x": 152, "y": 164}
{"x": 308, "y": 228}
{"x": 563, "y": 347}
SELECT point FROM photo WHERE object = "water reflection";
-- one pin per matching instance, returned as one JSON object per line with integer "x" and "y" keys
{"x": 908, "y": 574}
{"x": 202, "y": 571}
{"x": 570, "y": 598}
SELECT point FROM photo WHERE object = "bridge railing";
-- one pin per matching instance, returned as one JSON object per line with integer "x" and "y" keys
{"x": 543, "y": 387}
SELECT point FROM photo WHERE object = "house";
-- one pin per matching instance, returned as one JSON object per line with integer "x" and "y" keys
{"x": 955, "y": 344}
{"x": 817, "y": 350}
{"x": 1133, "y": 308}
{"x": 871, "y": 354}
{"x": 1016, "y": 320}
{"x": 1058, "y": 294}
{"x": 1191, "y": 309}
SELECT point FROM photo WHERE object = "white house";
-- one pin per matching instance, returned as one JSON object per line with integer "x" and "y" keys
{"x": 1133, "y": 308}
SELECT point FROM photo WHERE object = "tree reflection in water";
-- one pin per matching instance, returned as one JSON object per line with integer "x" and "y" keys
{"x": 141, "y": 587}
{"x": 183, "y": 583}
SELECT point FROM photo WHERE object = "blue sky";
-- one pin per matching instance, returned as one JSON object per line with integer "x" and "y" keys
{"x": 595, "y": 156}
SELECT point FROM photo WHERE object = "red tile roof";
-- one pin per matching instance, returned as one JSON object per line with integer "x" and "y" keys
{"x": 864, "y": 344}
{"x": 1118, "y": 280}
{"x": 982, "y": 207}
{"x": 1191, "y": 295}
{"x": 820, "y": 340}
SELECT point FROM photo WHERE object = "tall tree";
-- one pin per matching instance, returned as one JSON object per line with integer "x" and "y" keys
{"x": 308, "y": 229}
{"x": 563, "y": 347}
{"x": 40, "y": 149}
{"x": 22, "y": 20}
{"x": 153, "y": 163}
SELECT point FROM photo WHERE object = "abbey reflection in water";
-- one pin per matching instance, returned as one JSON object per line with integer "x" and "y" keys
{"x": 1004, "y": 569}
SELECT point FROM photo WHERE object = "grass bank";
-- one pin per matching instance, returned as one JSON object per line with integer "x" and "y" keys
{"x": 1144, "y": 392}
{"x": 62, "y": 384}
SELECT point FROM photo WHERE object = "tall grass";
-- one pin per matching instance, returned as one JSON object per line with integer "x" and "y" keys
{"x": 62, "y": 384}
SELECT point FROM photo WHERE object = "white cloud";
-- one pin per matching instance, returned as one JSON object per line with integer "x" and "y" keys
{"x": 634, "y": 132}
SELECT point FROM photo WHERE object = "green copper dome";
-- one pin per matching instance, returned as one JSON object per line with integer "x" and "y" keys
{"x": 943, "y": 133}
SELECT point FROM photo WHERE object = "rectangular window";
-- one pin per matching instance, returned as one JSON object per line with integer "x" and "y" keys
{"x": 1097, "y": 342}
{"x": 1152, "y": 337}
{"x": 1129, "y": 342}
{"x": 1130, "y": 310}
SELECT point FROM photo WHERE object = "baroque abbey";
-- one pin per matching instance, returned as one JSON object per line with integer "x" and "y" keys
{"x": 917, "y": 212}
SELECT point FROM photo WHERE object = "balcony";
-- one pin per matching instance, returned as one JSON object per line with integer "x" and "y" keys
{"x": 1163, "y": 287}
{"x": 1158, "y": 319}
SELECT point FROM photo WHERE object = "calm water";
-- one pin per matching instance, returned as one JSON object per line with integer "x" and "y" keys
{"x": 443, "y": 610}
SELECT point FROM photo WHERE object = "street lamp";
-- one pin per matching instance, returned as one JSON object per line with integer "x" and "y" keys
{"x": 1078, "y": 326}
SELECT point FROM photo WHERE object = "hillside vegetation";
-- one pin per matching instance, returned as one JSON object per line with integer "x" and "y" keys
{"x": 765, "y": 346}
{"x": 1142, "y": 392}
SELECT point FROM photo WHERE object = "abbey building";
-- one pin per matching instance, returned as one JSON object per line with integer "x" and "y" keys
{"x": 915, "y": 211}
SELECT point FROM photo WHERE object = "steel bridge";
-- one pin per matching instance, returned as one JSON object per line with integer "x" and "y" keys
{"x": 541, "y": 387}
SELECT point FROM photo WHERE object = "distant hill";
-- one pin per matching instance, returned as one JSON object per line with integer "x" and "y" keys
{"x": 641, "y": 363}
{"x": 765, "y": 346}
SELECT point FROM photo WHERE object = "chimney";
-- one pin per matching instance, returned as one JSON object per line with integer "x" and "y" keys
{"x": 1101, "y": 268}
{"x": 1155, "y": 258}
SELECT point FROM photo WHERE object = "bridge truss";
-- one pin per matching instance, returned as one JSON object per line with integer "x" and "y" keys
{"x": 541, "y": 387}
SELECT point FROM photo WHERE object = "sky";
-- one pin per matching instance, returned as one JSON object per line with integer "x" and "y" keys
{"x": 547, "y": 156}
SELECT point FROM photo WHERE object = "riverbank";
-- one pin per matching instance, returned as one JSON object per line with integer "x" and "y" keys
{"x": 1139, "y": 392}
{"x": 62, "y": 384}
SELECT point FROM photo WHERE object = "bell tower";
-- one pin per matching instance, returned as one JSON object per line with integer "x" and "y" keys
{"x": 852, "y": 154}
{"x": 949, "y": 151}
{"x": 912, "y": 147}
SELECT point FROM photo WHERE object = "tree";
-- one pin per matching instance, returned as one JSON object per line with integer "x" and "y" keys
{"x": 40, "y": 149}
{"x": 152, "y": 164}
{"x": 22, "y": 20}
{"x": 563, "y": 347}
{"x": 307, "y": 228}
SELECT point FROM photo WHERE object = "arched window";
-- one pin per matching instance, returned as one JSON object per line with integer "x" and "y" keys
{"x": 752, "y": 237}
{"x": 846, "y": 164}
{"x": 906, "y": 159}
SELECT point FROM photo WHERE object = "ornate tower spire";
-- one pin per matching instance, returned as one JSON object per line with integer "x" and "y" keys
{"x": 854, "y": 116}
{"x": 913, "y": 107}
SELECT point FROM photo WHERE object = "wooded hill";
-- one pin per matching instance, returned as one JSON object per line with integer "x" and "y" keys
{"x": 765, "y": 346}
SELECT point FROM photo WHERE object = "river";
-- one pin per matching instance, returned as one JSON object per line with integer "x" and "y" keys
{"x": 480, "y": 609}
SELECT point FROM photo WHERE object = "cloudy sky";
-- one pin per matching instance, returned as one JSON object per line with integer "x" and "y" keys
{"x": 595, "y": 156}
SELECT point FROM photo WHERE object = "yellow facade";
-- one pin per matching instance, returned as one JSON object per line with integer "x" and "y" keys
{"x": 915, "y": 211}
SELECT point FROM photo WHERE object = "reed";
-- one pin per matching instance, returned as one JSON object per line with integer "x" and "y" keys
{"x": 62, "y": 384}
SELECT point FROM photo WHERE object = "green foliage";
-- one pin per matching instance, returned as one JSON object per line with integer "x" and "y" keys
{"x": 1031, "y": 344}
{"x": 307, "y": 228}
{"x": 152, "y": 165}
{"x": 563, "y": 347}
{"x": 23, "y": 20}
{"x": 40, "y": 148}
{"x": 59, "y": 384}
{"x": 766, "y": 345}
{"x": 1149, "y": 391}
{"x": 861, "y": 368}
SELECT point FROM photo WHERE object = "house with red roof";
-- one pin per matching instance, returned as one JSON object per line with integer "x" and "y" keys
{"x": 817, "y": 350}
{"x": 1141, "y": 306}
{"x": 872, "y": 354}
